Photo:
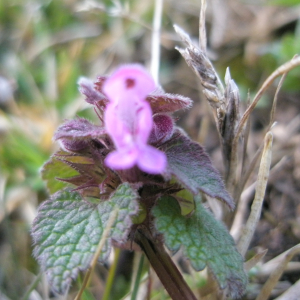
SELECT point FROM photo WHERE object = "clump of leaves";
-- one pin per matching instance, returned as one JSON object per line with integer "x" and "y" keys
{"x": 134, "y": 166}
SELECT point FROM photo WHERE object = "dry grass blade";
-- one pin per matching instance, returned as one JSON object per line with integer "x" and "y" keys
{"x": 245, "y": 198}
{"x": 241, "y": 210}
{"x": 93, "y": 263}
{"x": 254, "y": 260}
{"x": 273, "y": 110}
{"x": 202, "y": 30}
{"x": 245, "y": 176}
{"x": 262, "y": 180}
{"x": 284, "y": 258}
{"x": 293, "y": 293}
{"x": 283, "y": 69}
{"x": 155, "y": 47}
{"x": 245, "y": 146}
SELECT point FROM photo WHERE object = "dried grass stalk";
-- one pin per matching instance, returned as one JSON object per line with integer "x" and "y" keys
{"x": 202, "y": 30}
{"x": 254, "y": 260}
{"x": 283, "y": 69}
{"x": 155, "y": 47}
{"x": 282, "y": 260}
{"x": 293, "y": 293}
{"x": 262, "y": 180}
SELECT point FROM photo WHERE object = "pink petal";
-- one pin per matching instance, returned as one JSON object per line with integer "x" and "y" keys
{"x": 151, "y": 160}
{"x": 116, "y": 128}
{"x": 121, "y": 159}
{"x": 129, "y": 78}
{"x": 144, "y": 124}
{"x": 128, "y": 120}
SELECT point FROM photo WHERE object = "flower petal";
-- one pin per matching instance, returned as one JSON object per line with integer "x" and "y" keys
{"x": 128, "y": 120}
{"x": 152, "y": 160}
{"x": 117, "y": 129}
{"x": 129, "y": 78}
{"x": 144, "y": 124}
{"x": 119, "y": 160}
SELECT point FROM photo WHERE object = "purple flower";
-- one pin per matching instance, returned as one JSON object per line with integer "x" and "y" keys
{"x": 128, "y": 120}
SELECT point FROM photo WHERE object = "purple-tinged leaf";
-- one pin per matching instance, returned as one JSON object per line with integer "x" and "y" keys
{"x": 162, "y": 130}
{"x": 75, "y": 180}
{"x": 78, "y": 129}
{"x": 98, "y": 84}
{"x": 67, "y": 231}
{"x": 82, "y": 164}
{"x": 92, "y": 92}
{"x": 64, "y": 169}
{"x": 76, "y": 159}
{"x": 162, "y": 102}
{"x": 205, "y": 242}
{"x": 90, "y": 172}
{"x": 85, "y": 170}
{"x": 192, "y": 167}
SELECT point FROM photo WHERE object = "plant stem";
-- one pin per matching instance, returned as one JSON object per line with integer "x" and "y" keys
{"x": 32, "y": 286}
{"x": 137, "y": 278}
{"x": 164, "y": 267}
{"x": 111, "y": 275}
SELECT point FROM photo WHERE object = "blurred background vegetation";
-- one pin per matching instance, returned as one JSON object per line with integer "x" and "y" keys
{"x": 46, "y": 45}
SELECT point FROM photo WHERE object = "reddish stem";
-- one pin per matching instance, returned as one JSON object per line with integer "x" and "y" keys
{"x": 164, "y": 267}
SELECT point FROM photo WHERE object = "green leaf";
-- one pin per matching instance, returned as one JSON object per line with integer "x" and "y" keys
{"x": 185, "y": 200}
{"x": 191, "y": 166}
{"x": 54, "y": 169}
{"x": 67, "y": 230}
{"x": 205, "y": 242}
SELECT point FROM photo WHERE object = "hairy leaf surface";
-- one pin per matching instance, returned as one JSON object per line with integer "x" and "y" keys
{"x": 67, "y": 231}
{"x": 205, "y": 242}
{"x": 191, "y": 166}
{"x": 78, "y": 128}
